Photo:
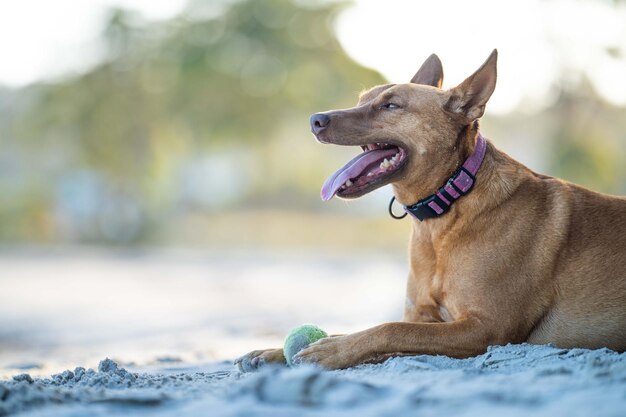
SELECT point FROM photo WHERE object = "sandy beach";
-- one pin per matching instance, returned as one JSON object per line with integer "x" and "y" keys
{"x": 513, "y": 380}
{"x": 172, "y": 321}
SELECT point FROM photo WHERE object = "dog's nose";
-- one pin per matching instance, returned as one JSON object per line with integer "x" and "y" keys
{"x": 319, "y": 121}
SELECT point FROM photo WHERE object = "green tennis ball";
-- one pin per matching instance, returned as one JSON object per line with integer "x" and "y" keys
{"x": 299, "y": 338}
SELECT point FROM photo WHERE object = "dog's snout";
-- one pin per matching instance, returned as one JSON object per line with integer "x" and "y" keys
{"x": 319, "y": 122}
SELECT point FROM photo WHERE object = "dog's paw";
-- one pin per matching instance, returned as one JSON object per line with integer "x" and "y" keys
{"x": 252, "y": 361}
{"x": 330, "y": 353}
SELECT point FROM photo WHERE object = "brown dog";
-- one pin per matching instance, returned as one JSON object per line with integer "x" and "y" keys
{"x": 520, "y": 257}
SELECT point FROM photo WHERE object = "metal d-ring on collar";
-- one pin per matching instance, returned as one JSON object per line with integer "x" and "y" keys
{"x": 457, "y": 186}
{"x": 391, "y": 213}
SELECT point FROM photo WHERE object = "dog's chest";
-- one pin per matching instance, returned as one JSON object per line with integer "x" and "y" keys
{"x": 426, "y": 299}
{"x": 433, "y": 282}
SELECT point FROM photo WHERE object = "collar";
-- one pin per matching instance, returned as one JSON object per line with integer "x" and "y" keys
{"x": 459, "y": 184}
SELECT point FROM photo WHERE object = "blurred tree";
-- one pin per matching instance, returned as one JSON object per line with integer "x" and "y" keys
{"x": 168, "y": 90}
{"x": 104, "y": 155}
{"x": 169, "y": 86}
{"x": 588, "y": 140}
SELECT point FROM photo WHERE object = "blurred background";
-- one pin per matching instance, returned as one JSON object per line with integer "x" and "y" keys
{"x": 159, "y": 186}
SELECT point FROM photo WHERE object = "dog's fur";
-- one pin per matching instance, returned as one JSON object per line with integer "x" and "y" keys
{"x": 523, "y": 257}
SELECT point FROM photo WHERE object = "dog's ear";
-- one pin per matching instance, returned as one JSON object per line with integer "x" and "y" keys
{"x": 470, "y": 97}
{"x": 430, "y": 73}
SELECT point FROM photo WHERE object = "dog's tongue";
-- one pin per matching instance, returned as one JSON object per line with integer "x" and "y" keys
{"x": 353, "y": 169}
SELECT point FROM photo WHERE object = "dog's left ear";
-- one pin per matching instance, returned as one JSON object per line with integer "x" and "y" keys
{"x": 470, "y": 97}
{"x": 430, "y": 73}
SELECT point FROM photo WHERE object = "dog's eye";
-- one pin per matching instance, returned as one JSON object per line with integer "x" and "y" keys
{"x": 390, "y": 106}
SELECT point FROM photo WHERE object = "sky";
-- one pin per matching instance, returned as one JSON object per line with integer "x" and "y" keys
{"x": 537, "y": 41}
{"x": 42, "y": 38}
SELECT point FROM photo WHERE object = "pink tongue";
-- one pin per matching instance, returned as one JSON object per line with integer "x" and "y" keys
{"x": 353, "y": 169}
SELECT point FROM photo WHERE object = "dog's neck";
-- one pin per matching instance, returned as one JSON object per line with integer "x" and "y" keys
{"x": 494, "y": 183}
{"x": 410, "y": 193}
{"x": 457, "y": 186}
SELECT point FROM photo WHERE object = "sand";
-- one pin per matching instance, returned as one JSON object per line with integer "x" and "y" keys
{"x": 173, "y": 321}
{"x": 508, "y": 380}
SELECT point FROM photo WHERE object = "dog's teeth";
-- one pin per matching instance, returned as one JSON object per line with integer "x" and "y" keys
{"x": 348, "y": 183}
{"x": 369, "y": 174}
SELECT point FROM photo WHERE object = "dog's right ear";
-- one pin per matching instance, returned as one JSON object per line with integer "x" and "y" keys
{"x": 470, "y": 97}
{"x": 430, "y": 73}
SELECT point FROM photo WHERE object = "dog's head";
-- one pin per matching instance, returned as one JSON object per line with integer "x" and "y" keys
{"x": 412, "y": 135}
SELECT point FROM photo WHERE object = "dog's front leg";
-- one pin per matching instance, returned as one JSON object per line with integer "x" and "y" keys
{"x": 459, "y": 339}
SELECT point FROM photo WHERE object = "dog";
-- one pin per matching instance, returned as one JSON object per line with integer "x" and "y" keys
{"x": 498, "y": 253}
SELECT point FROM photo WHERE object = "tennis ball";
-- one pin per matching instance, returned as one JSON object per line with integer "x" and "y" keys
{"x": 299, "y": 338}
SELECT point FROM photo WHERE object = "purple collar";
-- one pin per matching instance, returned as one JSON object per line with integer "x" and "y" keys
{"x": 459, "y": 184}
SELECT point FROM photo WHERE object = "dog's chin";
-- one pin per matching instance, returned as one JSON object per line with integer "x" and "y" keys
{"x": 378, "y": 165}
{"x": 359, "y": 190}
{"x": 363, "y": 184}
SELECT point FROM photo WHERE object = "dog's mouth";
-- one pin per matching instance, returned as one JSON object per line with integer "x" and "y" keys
{"x": 371, "y": 169}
